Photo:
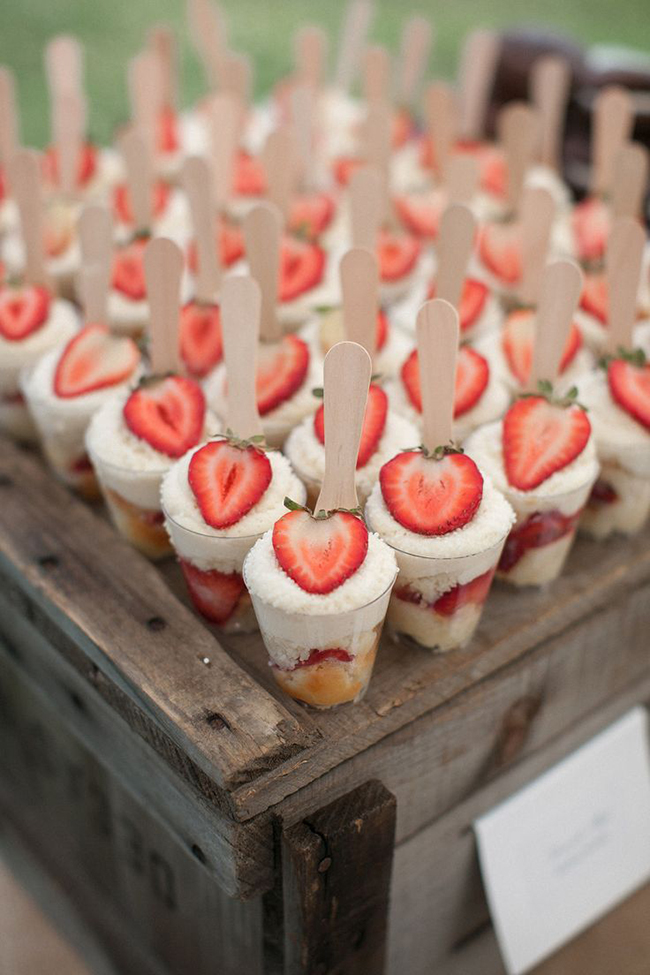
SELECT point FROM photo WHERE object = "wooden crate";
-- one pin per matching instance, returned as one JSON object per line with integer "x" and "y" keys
{"x": 191, "y": 819}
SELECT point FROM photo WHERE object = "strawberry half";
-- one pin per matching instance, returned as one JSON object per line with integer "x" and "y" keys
{"x": 595, "y": 297}
{"x": 540, "y": 438}
{"x": 281, "y": 371}
{"x": 629, "y": 385}
{"x": 472, "y": 302}
{"x": 301, "y": 267}
{"x": 499, "y": 247}
{"x": 128, "y": 270}
{"x": 167, "y": 413}
{"x": 374, "y": 421}
{"x": 249, "y": 178}
{"x": 472, "y": 377}
{"x": 431, "y": 495}
{"x": 311, "y": 215}
{"x": 214, "y": 594}
{"x": 397, "y": 255}
{"x": 228, "y": 480}
{"x": 86, "y": 165}
{"x": 591, "y": 222}
{"x": 493, "y": 171}
{"x": 230, "y": 242}
{"x": 344, "y": 167}
{"x": 160, "y": 193}
{"x": 402, "y": 127}
{"x": 201, "y": 340}
{"x": 167, "y": 139}
{"x": 382, "y": 329}
{"x": 319, "y": 554}
{"x": 22, "y": 311}
{"x": 421, "y": 212}
{"x": 517, "y": 343}
{"x": 94, "y": 359}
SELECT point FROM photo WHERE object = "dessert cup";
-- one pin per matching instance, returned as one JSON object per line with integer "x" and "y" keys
{"x": 133, "y": 501}
{"x": 322, "y": 648}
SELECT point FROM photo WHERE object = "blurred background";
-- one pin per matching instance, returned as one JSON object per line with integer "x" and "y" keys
{"x": 113, "y": 31}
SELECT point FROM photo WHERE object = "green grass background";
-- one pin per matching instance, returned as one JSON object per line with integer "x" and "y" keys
{"x": 112, "y": 31}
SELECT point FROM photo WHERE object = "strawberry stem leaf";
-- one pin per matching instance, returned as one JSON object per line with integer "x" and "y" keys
{"x": 546, "y": 391}
{"x": 635, "y": 357}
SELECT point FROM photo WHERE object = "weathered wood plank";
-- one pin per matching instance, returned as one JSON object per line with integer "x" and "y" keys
{"x": 116, "y": 607}
{"x": 336, "y": 868}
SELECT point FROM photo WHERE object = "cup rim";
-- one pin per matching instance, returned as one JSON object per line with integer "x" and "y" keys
{"x": 216, "y": 538}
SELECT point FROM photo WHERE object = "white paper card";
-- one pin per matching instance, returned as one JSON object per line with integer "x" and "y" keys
{"x": 562, "y": 852}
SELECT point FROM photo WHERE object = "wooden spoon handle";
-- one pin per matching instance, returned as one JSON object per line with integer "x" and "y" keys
{"x": 209, "y": 36}
{"x": 224, "y": 122}
{"x": 163, "y": 270}
{"x": 560, "y": 291}
{"x": 347, "y": 371}
{"x": 536, "y": 219}
{"x": 139, "y": 177}
{"x": 9, "y": 129}
{"x": 310, "y": 55}
{"x": 417, "y": 38}
{"x": 461, "y": 177}
{"x": 25, "y": 178}
{"x": 162, "y": 41}
{"x": 262, "y": 233}
{"x": 630, "y": 180}
{"x": 623, "y": 262}
{"x": 441, "y": 116}
{"x": 476, "y": 79}
{"x": 612, "y": 121}
{"x": 145, "y": 95}
{"x": 377, "y": 128}
{"x": 197, "y": 185}
{"x": 359, "y": 271}
{"x": 550, "y": 80}
{"x": 352, "y": 42}
{"x": 376, "y": 73}
{"x": 437, "y": 338}
{"x": 96, "y": 240}
{"x": 366, "y": 195}
{"x": 64, "y": 65}
{"x": 69, "y": 125}
{"x": 279, "y": 158}
{"x": 455, "y": 242}
{"x": 518, "y": 132}
{"x": 241, "y": 302}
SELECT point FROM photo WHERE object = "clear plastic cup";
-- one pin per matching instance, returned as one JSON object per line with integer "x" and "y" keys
{"x": 438, "y": 602}
{"x": 212, "y": 567}
{"x": 343, "y": 648}
{"x": 133, "y": 500}
{"x": 537, "y": 547}
{"x": 620, "y": 498}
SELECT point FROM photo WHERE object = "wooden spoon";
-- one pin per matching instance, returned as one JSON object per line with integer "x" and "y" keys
{"x": 550, "y": 80}
{"x": 367, "y": 194}
{"x": 624, "y": 259}
{"x": 352, "y": 42}
{"x": 163, "y": 270}
{"x": 441, "y": 116}
{"x": 476, "y": 80}
{"x": 558, "y": 300}
{"x": 537, "y": 212}
{"x": 25, "y": 179}
{"x": 310, "y": 56}
{"x": 96, "y": 240}
{"x": 630, "y": 180}
{"x": 197, "y": 184}
{"x": 376, "y": 73}
{"x": 162, "y": 41}
{"x": 415, "y": 46}
{"x": 139, "y": 177}
{"x": 461, "y": 177}
{"x": 455, "y": 243}
{"x": 9, "y": 128}
{"x": 241, "y": 303}
{"x": 224, "y": 121}
{"x": 64, "y": 65}
{"x": 145, "y": 95}
{"x": 209, "y": 35}
{"x": 262, "y": 233}
{"x": 280, "y": 165}
{"x": 437, "y": 341}
{"x": 612, "y": 121}
{"x": 347, "y": 370}
{"x": 68, "y": 128}
{"x": 518, "y": 127}
{"x": 359, "y": 270}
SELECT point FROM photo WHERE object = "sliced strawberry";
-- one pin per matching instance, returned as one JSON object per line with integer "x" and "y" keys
{"x": 630, "y": 388}
{"x": 230, "y": 241}
{"x": 214, "y": 594}
{"x": 431, "y": 496}
{"x": 397, "y": 255}
{"x": 167, "y": 413}
{"x": 540, "y": 438}
{"x": 475, "y": 591}
{"x": 595, "y": 297}
{"x": 402, "y": 127}
{"x": 382, "y": 329}
{"x": 311, "y": 215}
{"x": 493, "y": 171}
{"x": 344, "y": 167}
{"x": 319, "y": 554}
{"x": 160, "y": 192}
{"x": 86, "y": 165}
{"x": 421, "y": 212}
{"x": 374, "y": 421}
{"x": 472, "y": 302}
{"x": 500, "y": 250}
{"x": 167, "y": 139}
{"x": 249, "y": 178}
{"x": 539, "y": 529}
{"x": 228, "y": 480}
{"x": 281, "y": 371}
{"x": 301, "y": 267}
{"x": 200, "y": 338}
{"x": 22, "y": 311}
{"x": 3, "y": 185}
{"x": 472, "y": 377}
{"x": 591, "y": 221}
{"x": 128, "y": 270}
{"x": 327, "y": 653}
{"x": 94, "y": 359}
{"x": 517, "y": 342}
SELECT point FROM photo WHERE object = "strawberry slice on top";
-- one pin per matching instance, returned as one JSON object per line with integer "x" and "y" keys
{"x": 374, "y": 421}
{"x": 472, "y": 377}
{"x": 472, "y": 302}
{"x": 94, "y": 359}
{"x": 629, "y": 384}
{"x": 228, "y": 478}
{"x": 281, "y": 371}
{"x": 344, "y": 168}
{"x": 595, "y": 297}
{"x": 168, "y": 413}
{"x": 591, "y": 221}
{"x": 541, "y": 437}
{"x": 431, "y": 494}
{"x": 500, "y": 250}
{"x": 86, "y": 165}
{"x": 397, "y": 255}
{"x": 201, "y": 340}
{"x": 128, "y": 270}
{"x": 421, "y": 212}
{"x": 160, "y": 195}
{"x": 302, "y": 265}
{"x": 517, "y": 341}
{"x": 320, "y": 553}
{"x": 230, "y": 245}
{"x": 167, "y": 138}
{"x": 311, "y": 214}
{"x": 23, "y": 311}
{"x": 249, "y": 178}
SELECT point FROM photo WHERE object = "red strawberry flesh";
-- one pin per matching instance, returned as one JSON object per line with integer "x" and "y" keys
{"x": 374, "y": 421}
{"x": 320, "y": 554}
{"x": 472, "y": 377}
{"x": 281, "y": 371}
{"x": 200, "y": 338}
{"x": 630, "y": 388}
{"x": 540, "y": 438}
{"x": 94, "y": 359}
{"x": 167, "y": 413}
{"x": 22, "y": 311}
{"x": 215, "y": 594}
{"x": 227, "y": 481}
